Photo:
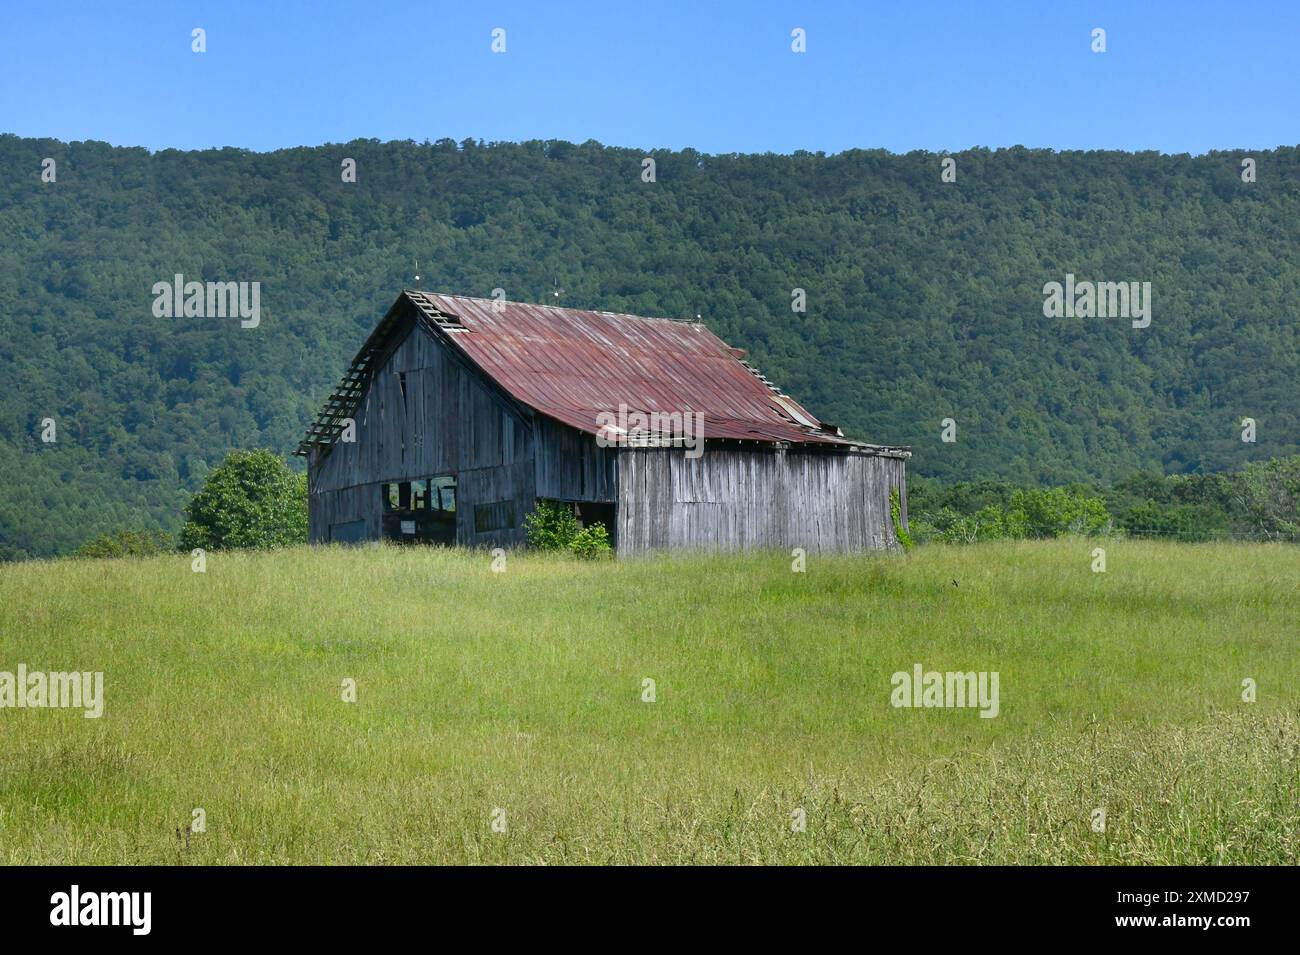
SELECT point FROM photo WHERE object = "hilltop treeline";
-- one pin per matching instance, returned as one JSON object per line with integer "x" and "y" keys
{"x": 924, "y": 298}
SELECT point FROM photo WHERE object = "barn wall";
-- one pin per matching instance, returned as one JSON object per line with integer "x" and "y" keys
{"x": 571, "y": 467}
{"x": 343, "y": 507}
{"x": 449, "y": 421}
{"x": 744, "y": 499}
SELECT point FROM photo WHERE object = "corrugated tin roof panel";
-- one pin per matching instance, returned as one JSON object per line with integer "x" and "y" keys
{"x": 574, "y": 365}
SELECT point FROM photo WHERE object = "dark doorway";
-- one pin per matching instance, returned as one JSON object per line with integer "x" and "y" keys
{"x": 420, "y": 512}
{"x": 597, "y": 512}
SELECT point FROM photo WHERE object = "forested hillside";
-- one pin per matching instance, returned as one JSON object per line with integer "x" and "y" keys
{"x": 924, "y": 298}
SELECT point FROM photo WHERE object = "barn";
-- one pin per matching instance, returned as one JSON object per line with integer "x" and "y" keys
{"x": 459, "y": 414}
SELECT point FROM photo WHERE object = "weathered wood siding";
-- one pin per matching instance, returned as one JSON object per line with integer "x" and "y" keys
{"x": 450, "y": 421}
{"x": 744, "y": 499}
{"x": 571, "y": 466}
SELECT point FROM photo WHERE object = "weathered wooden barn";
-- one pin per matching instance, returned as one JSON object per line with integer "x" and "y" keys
{"x": 459, "y": 414}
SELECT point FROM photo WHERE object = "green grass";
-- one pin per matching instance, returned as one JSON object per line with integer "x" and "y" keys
{"x": 522, "y": 690}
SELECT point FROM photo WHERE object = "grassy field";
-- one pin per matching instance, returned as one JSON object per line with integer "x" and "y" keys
{"x": 522, "y": 691}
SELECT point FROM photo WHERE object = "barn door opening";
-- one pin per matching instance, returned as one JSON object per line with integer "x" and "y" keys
{"x": 420, "y": 512}
{"x": 590, "y": 512}
{"x": 598, "y": 512}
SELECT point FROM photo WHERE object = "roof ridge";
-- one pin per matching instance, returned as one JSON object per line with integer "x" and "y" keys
{"x": 559, "y": 308}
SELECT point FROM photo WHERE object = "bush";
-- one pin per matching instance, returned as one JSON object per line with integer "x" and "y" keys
{"x": 551, "y": 526}
{"x": 1049, "y": 512}
{"x": 1268, "y": 498}
{"x": 1015, "y": 525}
{"x": 591, "y": 543}
{"x": 127, "y": 543}
{"x": 922, "y": 531}
{"x": 1052, "y": 512}
{"x": 1183, "y": 522}
{"x": 896, "y": 515}
{"x": 251, "y": 500}
{"x": 944, "y": 525}
{"x": 990, "y": 524}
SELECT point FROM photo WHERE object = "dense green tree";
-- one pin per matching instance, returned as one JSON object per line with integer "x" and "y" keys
{"x": 251, "y": 500}
{"x": 1267, "y": 494}
{"x": 127, "y": 543}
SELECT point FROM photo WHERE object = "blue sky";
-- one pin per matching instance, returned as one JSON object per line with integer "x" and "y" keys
{"x": 1185, "y": 76}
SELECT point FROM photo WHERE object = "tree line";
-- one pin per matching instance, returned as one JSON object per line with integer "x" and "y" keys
{"x": 253, "y": 500}
{"x": 919, "y": 300}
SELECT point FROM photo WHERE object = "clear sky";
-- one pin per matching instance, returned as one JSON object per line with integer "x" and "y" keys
{"x": 1177, "y": 75}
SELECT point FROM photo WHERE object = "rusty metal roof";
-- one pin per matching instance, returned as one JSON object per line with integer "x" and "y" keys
{"x": 574, "y": 365}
